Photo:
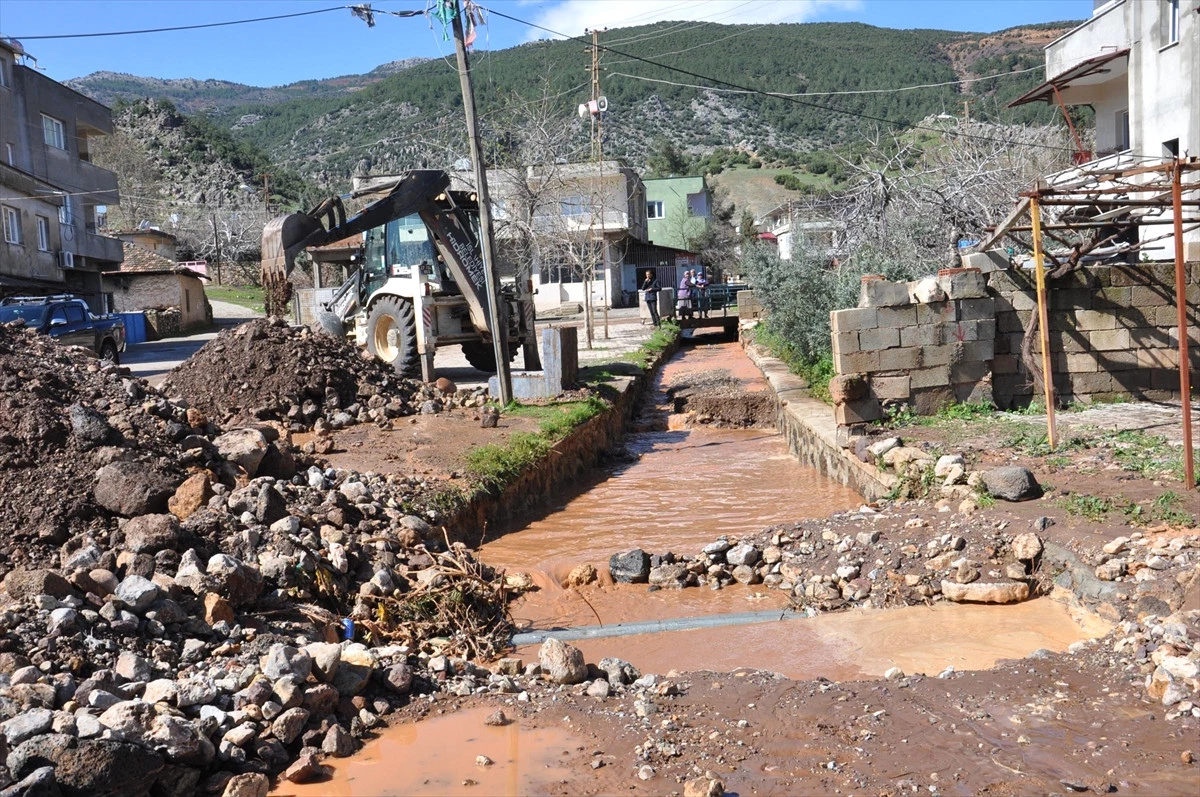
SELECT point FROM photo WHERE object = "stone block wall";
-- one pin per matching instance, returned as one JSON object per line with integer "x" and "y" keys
{"x": 927, "y": 344}
{"x": 957, "y": 337}
{"x": 1113, "y": 332}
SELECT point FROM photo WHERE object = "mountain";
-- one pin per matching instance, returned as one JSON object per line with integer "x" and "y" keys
{"x": 408, "y": 115}
{"x": 213, "y": 96}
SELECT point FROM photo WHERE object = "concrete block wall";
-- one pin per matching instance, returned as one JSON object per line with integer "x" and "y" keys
{"x": 926, "y": 343}
{"x": 1113, "y": 332}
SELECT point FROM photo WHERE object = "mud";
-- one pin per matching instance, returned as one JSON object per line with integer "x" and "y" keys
{"x": 438, "y": 756}
{"x": 847, "y": 646}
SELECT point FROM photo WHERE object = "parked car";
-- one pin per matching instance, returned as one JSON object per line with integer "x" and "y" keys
{"x": 68, "y": 319}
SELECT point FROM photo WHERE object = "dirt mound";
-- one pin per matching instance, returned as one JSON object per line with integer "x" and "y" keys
{"x": 716, "y": 398}
{"x": 265, "y": 370}
{"x": 65, "y": 415}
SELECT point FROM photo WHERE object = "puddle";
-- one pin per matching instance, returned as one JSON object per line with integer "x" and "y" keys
{"x": 437, "y": 755}
{"x": 860, "y": 644}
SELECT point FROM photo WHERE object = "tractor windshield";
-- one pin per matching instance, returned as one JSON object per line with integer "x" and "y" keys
{"x": 408, "y": 242}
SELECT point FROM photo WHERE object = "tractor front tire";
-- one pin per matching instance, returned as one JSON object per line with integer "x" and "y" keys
{"x": 392, "y": 335}
{"x": 482, "y": 356}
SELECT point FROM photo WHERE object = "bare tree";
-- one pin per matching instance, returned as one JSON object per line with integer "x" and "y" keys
{"x": 138, "y": 177}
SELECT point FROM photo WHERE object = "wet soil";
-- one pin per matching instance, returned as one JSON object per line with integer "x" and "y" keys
{"x": 1052, "y": 714}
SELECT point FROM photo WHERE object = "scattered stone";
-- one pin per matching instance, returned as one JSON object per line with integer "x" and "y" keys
{"x": 1012, "y": 483}
{"x": 561, "y": 662}
{"x": 1026, "y": 547}
{"x": 630, "y": 567}
{"x": 581, "y": 575}
{"x": 986, "y": 592}
{"x": 497, "y": 719}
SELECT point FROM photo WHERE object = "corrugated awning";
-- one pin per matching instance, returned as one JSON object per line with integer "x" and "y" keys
{"x": 1085, "y": 72}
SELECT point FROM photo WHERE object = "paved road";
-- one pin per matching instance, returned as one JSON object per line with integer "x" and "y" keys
{"x": 152, "y": 360}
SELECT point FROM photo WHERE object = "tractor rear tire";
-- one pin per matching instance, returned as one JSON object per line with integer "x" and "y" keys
{"x": 392, "y": 335}
{"x": 482, "y": 356}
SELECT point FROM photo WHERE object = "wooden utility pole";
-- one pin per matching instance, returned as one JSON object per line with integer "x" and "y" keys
{"x": 217, "y": 245}
{"x": 267, "y": 194}
{"x": 1185, "y": 384}
{"x": 598, "y": 154}
{"x": 486, "y": 243}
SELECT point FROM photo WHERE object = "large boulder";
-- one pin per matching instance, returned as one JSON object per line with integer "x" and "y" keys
{"x": 985, "y": 592}
{"x": 1012, "y": 483}
{"x": 244, "y": 448}
{"x": 89, "y": 768}
{"x": 132, "y": 488}
{"x": 562, "y": 663}
{"x": 630, "y": 567}
{"x": 151, "y": 533}
{"x": 21, "y": 583}
{"x": 190, "y": 496}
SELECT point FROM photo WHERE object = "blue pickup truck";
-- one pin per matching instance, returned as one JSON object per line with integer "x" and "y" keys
{"x": 67, "y": 319}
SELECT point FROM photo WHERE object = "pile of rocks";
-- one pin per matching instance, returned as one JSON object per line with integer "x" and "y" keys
{"x": 181, "y": 604}
{"x": 1167, "y": 650}
{"x": 828, "y": 569}
{"x": 948, "y": 478}
{"x": 266, "y": 370}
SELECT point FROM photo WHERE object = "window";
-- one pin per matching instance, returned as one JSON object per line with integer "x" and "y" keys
{"x": 1122, "y": 130}
{"x": 187, "y": 301}
{"x": 12, "y": 225}
{"x": 1170, "y": 21}
{"x": 9, "y": 155}
{"x": 52, "y": 132}
{"x": 1171, "y": 149}
{"x": 74, "y": 314}
{"x": 43, "y": 225}
{"x": 3, "y": 73}
{"x": 574, "y": 206}
{"x": 654, "y": 210}
{"x": 65, "y": 214}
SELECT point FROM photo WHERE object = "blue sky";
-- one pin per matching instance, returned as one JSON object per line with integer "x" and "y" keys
{"x": 334, "y": 43}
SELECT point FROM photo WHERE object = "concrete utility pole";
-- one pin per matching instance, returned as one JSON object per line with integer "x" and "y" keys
{"x": 598, "y": 154}
{"x": 486, "y": 243}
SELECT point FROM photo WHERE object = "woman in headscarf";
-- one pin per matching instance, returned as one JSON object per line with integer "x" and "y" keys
{"x": 684, "y": 296}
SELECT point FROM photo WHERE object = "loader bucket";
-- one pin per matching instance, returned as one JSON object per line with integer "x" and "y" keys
{"x": 283, "y": 238}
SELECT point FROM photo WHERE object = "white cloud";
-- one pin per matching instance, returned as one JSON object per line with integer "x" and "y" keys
{"x": 573, "y": 17}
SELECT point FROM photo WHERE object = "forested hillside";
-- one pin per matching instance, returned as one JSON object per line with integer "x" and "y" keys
{"x": 413, "y": 118}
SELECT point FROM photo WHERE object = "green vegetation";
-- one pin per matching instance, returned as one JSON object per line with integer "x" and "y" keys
{"x": 558, "y": 418}
{"x": 1146, "y": 455}
{"x": 250, "y": 296}
{"x": 816, "y": 372}
{"x": 662, "y": 337}
{"x": 1091, "y": 507}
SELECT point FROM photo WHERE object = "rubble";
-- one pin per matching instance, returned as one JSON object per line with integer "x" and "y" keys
{"x": 267, "y": 371}
{"x": 186, "y": 601}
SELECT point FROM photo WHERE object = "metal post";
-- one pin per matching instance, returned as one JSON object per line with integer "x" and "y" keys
{"x": 491, "y": 280}
{"x": 1035, "y": 213}
{"x": 600, "y": 170}
{"x": 1185, "y": 386}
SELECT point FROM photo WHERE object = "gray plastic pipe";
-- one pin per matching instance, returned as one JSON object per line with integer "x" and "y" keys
{"x": 654, "y": 626}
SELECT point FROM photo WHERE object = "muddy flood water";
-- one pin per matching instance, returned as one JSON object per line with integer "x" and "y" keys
{"x": 686, "y": 487}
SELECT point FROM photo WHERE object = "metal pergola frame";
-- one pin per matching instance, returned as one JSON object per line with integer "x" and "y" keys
{"x": 1096, "y": 199}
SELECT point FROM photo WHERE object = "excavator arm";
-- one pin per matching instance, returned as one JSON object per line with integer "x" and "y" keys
{"x": 424, "y": 192}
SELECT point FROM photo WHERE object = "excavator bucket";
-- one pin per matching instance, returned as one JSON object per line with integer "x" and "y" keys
{"x": 283, "y": 238}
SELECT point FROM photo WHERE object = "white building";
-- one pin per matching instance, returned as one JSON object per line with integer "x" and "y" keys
{"x": 1137, "y": 64}
{"x": 784, "y": 228}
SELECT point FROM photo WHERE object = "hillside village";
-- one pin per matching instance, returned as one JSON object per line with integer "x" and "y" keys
{"x": 852, "y": 447}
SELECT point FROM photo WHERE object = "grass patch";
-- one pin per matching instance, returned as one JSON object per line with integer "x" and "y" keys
{"x": 496, "y": 465}
{"x": 663, "y": 336}
{"x": 250, "y": 296}
{"x": 816, "y": 373}
{"x": 1167, "y": 508}
{"x": 493, "y": 466}
{"x": 1144, "y": 454}
{"x": 1091, "y": 507}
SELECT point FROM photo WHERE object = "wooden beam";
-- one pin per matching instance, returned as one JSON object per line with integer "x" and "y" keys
{"x": 1185, "y": 387}
{"x": 1043, "y": 321}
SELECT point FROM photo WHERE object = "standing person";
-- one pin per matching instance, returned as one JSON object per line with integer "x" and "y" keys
{"x": 649, "y": 289}
{"x": 702, "y": 293}
{"x": 684, "y": 297}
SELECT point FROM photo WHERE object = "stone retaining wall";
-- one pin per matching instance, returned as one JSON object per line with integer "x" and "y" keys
{"x": 1113, "y": 332}
{"x": 811, "y": 431}
{"x": 957, "y": 337}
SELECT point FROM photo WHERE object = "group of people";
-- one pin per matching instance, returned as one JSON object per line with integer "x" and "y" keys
{"x": 690, "y": 299}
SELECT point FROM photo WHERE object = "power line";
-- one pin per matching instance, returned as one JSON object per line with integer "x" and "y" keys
{"x": 206, "y": 25}
{"x": 773, "y": 95}
{"x": 828, "y": 93}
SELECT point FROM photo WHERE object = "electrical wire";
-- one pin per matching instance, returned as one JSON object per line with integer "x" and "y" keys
{"x": 183, "y": 27}
{"x": 787, "y": 98}
{"x": 828, "y": 93}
